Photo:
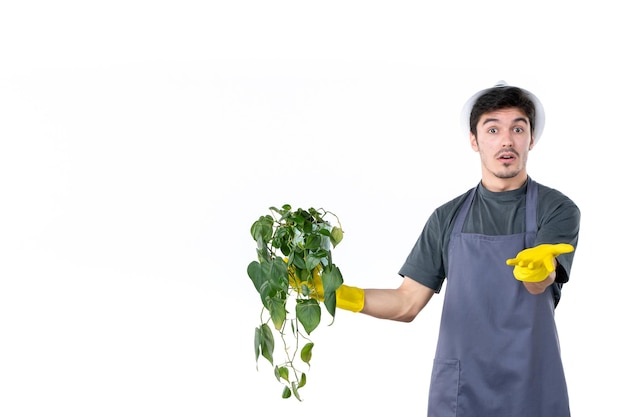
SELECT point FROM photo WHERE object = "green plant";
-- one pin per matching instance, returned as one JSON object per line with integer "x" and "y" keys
{"x": 294, "y": 254}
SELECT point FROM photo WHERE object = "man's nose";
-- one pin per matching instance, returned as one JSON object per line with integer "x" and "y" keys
{"x": 506, "y": 139}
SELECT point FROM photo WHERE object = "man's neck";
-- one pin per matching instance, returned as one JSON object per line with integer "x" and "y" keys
{"x": 497, "y": 185}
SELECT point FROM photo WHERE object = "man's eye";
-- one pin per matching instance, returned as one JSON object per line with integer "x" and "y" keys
{"x": 518, "y": 130}
{"x": 492, "y": 130}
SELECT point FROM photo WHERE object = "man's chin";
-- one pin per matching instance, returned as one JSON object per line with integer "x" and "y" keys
{"x": 508, "y": 174}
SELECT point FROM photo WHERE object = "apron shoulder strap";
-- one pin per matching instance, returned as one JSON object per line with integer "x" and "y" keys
{"x": 531, "y": 212}
{"x": 460, "y": 218}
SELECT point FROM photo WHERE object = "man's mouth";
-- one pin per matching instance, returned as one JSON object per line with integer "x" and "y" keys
{"x": 507, "y": 156}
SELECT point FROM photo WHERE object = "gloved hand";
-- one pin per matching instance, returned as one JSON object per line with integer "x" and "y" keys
{"x": 348, "y": 298}
{"x": 317, "y": 292}
{"x": 535, "y": 264}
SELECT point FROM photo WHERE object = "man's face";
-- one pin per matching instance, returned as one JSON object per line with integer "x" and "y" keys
{"x": 503, "y": 139}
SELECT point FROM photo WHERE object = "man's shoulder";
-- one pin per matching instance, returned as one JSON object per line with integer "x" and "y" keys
{"x": 553, "y": 202}
{"x": 451, "y": 206}
{"x": 552, "y": 194}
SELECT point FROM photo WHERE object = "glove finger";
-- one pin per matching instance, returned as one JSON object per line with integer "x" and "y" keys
{"x": 512, "y": 261}
{"x": 549, "y": 264}
{"x": 561, "y": 248}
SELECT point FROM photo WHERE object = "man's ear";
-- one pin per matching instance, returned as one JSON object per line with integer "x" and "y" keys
{"x": 532, "y": 143}
{"x": 473, "y": 141}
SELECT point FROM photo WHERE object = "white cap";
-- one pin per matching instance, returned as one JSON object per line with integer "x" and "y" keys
{"x": 540, "y": 116}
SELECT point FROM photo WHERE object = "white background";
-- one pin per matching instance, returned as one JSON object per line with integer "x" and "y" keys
{"x": 140, "y": 140}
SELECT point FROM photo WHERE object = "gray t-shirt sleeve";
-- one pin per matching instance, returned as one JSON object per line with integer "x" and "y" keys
{"x": 427, "y": 270}
{"x": 559, "y": 222}
{"x": 427, "y": 261}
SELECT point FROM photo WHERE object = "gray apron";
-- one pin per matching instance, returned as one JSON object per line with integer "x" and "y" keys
{"x": 498, "y": 351}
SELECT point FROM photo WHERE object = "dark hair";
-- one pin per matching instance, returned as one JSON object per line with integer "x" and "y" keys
{"x": 502, "y": 97}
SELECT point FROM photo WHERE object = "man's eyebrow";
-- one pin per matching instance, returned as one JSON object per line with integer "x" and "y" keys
{"x": 493, "y": 119}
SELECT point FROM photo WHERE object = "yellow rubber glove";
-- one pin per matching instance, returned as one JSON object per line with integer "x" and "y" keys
{"x": 535, "y": 264}
{"x": 316, "y": 293}
{"x": 348, "y": 298}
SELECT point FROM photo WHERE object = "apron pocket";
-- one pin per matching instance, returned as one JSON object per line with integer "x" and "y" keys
{"x": 444, "y": 388}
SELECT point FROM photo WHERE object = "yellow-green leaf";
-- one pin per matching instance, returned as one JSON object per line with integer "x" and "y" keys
{"x": 306, "y": 353}
{"x": 281, "y": 372}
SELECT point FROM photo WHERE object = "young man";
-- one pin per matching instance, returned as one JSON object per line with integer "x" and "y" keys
{"x": 505, "y": 248}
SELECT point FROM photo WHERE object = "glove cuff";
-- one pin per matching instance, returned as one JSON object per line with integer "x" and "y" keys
{"x": 350, "y": 298}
